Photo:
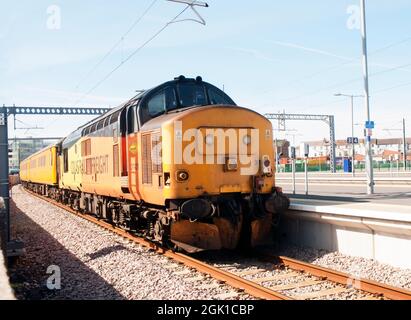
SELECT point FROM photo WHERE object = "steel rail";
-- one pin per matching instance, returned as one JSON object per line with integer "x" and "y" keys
{"x": 230, "y": 279}
{"x": 370, "y": 286}
{"x": 252, "y": 288}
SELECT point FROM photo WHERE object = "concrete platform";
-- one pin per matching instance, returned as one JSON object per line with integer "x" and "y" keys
{"x": 349, "y": 180}
{"x": 358, "y": 208}
{"x": 6, "y": 292}
{"x": 359, "y": 228}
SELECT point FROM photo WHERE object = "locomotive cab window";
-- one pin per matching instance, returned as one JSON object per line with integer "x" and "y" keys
{"x": 192, "y": 94}
{"x": 218, "y": 97}
{"x": 158, "y": 104}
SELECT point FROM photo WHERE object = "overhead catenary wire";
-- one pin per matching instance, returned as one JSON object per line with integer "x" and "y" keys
{"x": 337, "y": 66}
{"x": 405, "y": 84}
{"x": 138, "y": 49}
{"x": 118, "y": 43}
{"x": 112, "y": 49}
{"x": 346, "y": 82}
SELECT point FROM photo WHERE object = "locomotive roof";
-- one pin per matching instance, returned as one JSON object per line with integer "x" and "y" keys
{"x": 74, "y": 136}
{"x": 144, "y": 93}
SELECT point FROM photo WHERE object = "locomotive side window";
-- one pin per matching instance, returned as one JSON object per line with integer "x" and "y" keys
{"x": 131, "y": 120}
{"x": 114, "y": 117}
{"x": 100, "y": 124}
{"x": 65, "y": 160}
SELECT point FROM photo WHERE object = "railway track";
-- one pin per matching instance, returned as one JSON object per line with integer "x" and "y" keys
{"x": 266, "y": 283}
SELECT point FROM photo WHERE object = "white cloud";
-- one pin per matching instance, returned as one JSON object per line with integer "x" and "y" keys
{"x": 312, "y": 50}
{"x": 256, "y": 54}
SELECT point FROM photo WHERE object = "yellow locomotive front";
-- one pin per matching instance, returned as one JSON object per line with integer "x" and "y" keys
{"x": 212, "y": 167}
{"x": 218, "y": 173}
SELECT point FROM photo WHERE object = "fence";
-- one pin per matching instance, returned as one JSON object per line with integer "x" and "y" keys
{"x": 378, "y": 166}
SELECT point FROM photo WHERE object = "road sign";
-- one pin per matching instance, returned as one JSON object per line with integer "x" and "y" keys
{"x": 292, "y": 153}
{"x": 370, "y": 125}
{"x": 351, "y": 140}
{"x": 305, "y": 149}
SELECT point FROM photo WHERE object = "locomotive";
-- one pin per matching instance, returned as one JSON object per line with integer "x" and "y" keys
{"x": 180, "y": 164}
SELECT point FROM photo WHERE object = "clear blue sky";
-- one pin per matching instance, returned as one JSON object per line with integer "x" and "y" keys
{"x": 269, "y": 55}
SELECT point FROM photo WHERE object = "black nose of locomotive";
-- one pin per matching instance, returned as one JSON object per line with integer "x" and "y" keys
{"x": 196, "y": 209}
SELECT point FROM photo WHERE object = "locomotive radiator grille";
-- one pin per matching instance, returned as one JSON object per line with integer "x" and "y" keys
{"x": 147, "y": 165}
{"x": 157, "y": 153}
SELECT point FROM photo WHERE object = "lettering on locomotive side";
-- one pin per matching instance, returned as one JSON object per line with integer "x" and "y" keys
{"x": 90, "y": 166}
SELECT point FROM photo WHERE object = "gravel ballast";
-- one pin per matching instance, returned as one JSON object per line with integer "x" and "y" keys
{"x": 95, "y": 263}
{"x": 98, "y": 264}
{"x": 359, "y": 268}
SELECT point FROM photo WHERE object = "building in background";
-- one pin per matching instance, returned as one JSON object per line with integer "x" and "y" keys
{"x": 382, "y": 149}
{"x": 282, "y": 148}
{"x": 23, "y": 148}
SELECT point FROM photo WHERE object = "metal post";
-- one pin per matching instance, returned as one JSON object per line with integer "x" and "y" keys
{"x": 404, "y": 145}
{"x": 293, "y": 170}
{"x": 4, "y": 177}
{"x": 352, "y": 136}
{"x": 333, "y": 160}
{"x": 306, "y": 175}
{"x": 276, "y": 154}
{"x": 368, "y": 151}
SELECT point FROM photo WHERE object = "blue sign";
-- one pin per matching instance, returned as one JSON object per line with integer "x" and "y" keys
{"x": 370, "y": 125}
{"x": 354, "y": 140}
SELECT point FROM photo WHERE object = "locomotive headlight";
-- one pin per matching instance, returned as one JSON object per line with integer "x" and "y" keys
{"x": 209, "y": 139}
{"x": 266, "y": 165}
{"x": 247, "y": 140}
{"x": 182, "y": 175}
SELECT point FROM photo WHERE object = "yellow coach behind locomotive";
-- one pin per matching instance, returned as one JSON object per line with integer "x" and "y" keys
{"x": 40, "y": 168}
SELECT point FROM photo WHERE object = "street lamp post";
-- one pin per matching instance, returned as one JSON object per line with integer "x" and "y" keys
{"x": 368, "y": 151}
{"x": 351, "y": 96}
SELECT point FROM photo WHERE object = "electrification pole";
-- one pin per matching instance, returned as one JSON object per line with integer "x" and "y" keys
{"x": 368, "y": 151}
{"x": 4, "y": 179}
{"x": 404, "y": 144}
